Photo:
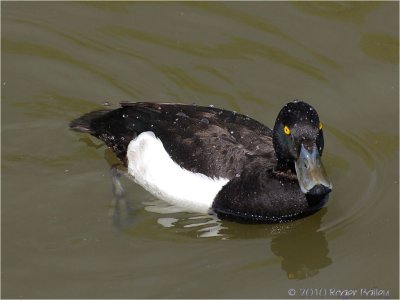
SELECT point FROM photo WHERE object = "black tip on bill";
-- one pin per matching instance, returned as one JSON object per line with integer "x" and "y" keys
{"x": 319, "y": 190}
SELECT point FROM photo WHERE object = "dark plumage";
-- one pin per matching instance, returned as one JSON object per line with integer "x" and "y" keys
{"x": 260, "y": 164}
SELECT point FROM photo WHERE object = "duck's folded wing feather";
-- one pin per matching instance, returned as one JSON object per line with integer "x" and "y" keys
{"x": 211, "y": 141}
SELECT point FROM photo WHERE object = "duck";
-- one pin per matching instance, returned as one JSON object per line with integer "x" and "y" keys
{"x": 211, "y": 160}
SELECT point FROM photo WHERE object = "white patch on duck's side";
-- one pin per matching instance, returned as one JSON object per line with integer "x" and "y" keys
{"x": 152, "y": 168}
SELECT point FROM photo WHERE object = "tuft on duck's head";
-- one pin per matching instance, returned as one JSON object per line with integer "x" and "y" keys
{"x": 298, "y": 141}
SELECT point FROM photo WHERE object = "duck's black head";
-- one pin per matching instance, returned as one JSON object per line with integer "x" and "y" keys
{"x": 299, "y": 142}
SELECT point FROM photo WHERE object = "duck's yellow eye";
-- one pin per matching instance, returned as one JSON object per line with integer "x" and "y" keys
{"x": 286, "y": 130}
{"x": 320, "y": 126}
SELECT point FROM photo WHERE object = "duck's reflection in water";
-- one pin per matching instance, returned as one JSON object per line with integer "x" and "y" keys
{"x": 303, "y": 248}
{"x": 203, "y": 225}
{"x": 300, "y": 245}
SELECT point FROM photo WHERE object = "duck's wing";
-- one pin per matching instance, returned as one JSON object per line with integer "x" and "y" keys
{"x": 207, "y": 140}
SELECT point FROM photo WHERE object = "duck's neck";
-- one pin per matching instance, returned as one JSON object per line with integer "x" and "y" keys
{"x": 285, "y": 167}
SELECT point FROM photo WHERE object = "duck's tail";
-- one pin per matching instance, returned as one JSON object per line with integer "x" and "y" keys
{"x": 111, "y": 127}
{"x": 85, "y": 123}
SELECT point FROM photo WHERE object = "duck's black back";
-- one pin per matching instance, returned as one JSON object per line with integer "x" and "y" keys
{"x": 211, "y": 141}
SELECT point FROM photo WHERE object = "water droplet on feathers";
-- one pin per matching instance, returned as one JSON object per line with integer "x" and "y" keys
{"x": 182, "y": 114}
{"x": 205, "y": 121}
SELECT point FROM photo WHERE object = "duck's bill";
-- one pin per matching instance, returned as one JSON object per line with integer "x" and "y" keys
{"x": 311, "y": 173}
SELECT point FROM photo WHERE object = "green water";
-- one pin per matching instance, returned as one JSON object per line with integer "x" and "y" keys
{"x": 63, "y": 235}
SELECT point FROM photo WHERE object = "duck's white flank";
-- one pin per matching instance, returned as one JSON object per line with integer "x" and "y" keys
{"x": 152, "y": 167}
